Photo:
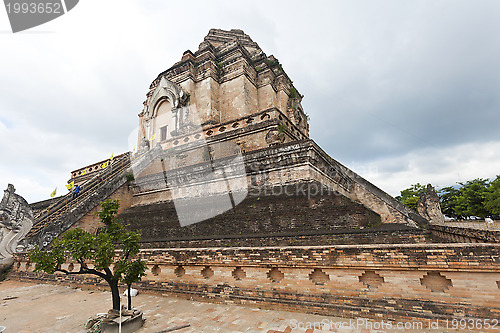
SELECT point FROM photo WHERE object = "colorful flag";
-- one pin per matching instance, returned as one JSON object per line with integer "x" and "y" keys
{"x": 105, "y": 165}
{"x": 70, "y": 185}
{"x": 53, "y": 194}
{"x": 111, "y": 158}
{"x": 84, "y": 171}
{"x": 153, "y": 137}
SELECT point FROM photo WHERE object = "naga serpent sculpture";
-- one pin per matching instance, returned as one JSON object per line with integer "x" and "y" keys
{"x": 16, "y": 220}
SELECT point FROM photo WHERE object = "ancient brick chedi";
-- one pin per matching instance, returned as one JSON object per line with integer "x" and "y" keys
{"x": 228, "y": 79}
{"x": 228, "y": 109}
{"x": 272, "y": 219}
{"x": 229, "y": 97}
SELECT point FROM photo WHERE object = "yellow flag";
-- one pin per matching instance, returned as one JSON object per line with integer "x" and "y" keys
{"x": 111, "y": 158}
{"x": 153, "y": 137}
{"x": 84, "y": 171}
{"x": 105, "y": 165}
{"x": 70, "y": 185}
{"x": 53, "y": 194}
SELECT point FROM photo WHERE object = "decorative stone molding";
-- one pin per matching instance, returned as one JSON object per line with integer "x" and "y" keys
{"x": 275, "y": 275}
{"x": 165, "y": 89}
{"x": 156, "y": 270}
{"x": 436, "y": 282}
{"x": 318, "y": 277}
{"x": 207, "y": 272}
{"x": 371, "y": 279}
{"x": 179, "y": 271}
{"x": 239, "y": 274}
{"x": 275, "y": 137}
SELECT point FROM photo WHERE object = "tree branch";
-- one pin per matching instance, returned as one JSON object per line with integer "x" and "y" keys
{"x": 95, "y": 272}
{"x": 108, "y": 272}
{"x": 84, "y": 271}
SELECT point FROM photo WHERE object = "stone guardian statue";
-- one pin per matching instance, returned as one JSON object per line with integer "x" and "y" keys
{"x": 428, "y": 205}
{"x": 16, "y": 220}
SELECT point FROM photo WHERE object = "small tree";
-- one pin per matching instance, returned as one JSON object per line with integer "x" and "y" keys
{"x": 99, "y": 250}
{"x": 133, "y": 271}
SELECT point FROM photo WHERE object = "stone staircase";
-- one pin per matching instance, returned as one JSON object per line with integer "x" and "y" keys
{"x": 66, "y": 210}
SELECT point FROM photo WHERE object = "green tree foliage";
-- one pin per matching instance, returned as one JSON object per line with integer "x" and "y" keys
{"x": 410, "y": 196}
{"x": 492, "y": 202}
{"x": 448, "y": 197}
{"x": 471, "y": 198}
{"x": 81, "y": 247}
{"x": 478, "y": 197}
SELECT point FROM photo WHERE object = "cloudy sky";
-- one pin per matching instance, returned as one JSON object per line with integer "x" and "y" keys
{"x": 400, "y": 91}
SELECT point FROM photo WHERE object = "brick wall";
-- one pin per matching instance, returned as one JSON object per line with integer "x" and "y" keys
{"x": 381, "y": 281}
{"x": 463, "y": 235}
{"x": 341, "y": 237}
{"x": 280, "y": 211}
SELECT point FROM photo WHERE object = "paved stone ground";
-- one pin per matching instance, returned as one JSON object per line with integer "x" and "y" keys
{"x": 28, "y": 307}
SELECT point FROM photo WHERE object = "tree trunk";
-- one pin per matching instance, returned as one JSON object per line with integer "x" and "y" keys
{"x": 129, "y": 298}
{"x": 115, "y": 294}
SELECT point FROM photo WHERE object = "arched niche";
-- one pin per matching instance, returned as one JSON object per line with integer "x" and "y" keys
{"x": 163, "y": 122}
{"x": 161, "y": 113}
{"x": 168, "y": 90}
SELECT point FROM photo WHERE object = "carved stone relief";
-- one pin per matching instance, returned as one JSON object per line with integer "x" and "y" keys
{"x": 16, "y": 220}
{"x": 429, "y": 207}
{"x": 274, "y": 137}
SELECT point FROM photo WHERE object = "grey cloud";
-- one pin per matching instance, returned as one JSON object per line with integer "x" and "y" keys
{"x": 384, "y": 82}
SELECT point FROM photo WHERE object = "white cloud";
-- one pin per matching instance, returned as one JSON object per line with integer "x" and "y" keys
{"x": 407, "y": 88}
{"x": 439, "y": 166}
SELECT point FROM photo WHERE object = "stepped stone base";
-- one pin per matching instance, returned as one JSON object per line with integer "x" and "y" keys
{"x": 286, "y": 218}
{"x": 297, "y": 195}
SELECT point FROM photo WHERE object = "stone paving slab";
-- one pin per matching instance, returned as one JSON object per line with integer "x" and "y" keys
{"x": 28, "y": 307}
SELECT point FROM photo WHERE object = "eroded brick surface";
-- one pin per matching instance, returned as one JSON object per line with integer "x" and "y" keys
{"x": 207, "y": 274}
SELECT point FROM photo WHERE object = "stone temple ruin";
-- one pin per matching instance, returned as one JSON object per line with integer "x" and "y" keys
{"x": 235, "y": 203}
